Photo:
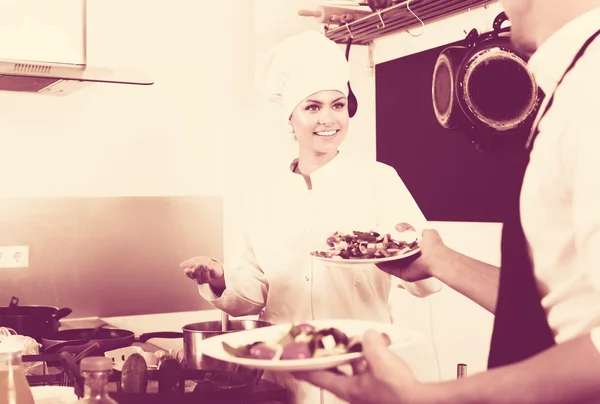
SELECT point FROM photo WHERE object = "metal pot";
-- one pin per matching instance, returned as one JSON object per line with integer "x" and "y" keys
{"x": 194, "y": 333}
{"x": 32, "y": 321}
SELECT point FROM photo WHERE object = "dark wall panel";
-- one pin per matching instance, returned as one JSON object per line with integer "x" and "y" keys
{"x": 448, "y": 177}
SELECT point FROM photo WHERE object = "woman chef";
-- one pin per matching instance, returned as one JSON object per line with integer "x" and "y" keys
{"x": 292, "y": 211}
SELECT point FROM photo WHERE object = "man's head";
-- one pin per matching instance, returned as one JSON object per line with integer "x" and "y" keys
{"x": 534, "y": 21}
{"x": 521, "y": 14}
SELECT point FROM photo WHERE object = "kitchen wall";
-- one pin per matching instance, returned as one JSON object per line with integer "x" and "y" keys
{"x": 113, "y": 186}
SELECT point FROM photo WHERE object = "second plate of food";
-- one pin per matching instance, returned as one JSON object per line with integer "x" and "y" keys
{"x": 369, "y": 247}
{"x": 319, "y": 344}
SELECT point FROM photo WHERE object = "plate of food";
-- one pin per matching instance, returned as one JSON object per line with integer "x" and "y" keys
{"x": 370, "y": 247}
{"x": 314, "y": 345}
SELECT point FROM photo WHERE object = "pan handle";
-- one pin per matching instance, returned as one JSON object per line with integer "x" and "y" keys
{"x": 58, "y": 345}
{"x": 500, "y": 18}
{"x": 72, "y": 370}
{"x": 14, "y": 301}
{"x": 62, "y": 313}
{"x": 165, "y": 334}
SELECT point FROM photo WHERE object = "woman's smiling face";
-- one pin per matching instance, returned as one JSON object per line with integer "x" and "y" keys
{"x": 320, "y": 121}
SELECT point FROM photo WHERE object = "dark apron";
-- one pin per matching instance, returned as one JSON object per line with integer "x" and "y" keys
{"x": 521, "y": 327}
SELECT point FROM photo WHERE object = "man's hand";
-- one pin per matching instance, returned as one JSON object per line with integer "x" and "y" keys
{"x": 421, "y": 265}
{"x": 385, "y": 378}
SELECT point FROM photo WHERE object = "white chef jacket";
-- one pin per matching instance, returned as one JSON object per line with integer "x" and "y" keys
{"x": 270, "y": 271}
{"x": 560, "y": 199}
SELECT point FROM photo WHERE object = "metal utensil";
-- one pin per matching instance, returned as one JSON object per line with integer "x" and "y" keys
{"x": 224, "y": 321}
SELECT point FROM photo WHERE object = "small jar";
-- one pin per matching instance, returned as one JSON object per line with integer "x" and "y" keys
{"x": 96, "y": 371}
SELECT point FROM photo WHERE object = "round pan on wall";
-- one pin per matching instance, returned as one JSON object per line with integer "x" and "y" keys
{"x": 495, "y": 88}
{"x": 484, "y": 87}
{"x": 445, "y": 104}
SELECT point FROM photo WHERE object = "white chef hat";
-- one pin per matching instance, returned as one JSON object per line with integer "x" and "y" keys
{"x": 302, "y": 65}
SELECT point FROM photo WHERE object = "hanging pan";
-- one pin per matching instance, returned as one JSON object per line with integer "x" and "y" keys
{"x": 484, "y": 88}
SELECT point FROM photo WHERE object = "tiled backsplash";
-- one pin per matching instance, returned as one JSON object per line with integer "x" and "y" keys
{"x": 109, "y": 256}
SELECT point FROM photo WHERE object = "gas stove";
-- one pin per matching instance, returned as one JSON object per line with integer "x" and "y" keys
{"x": 194, "y": 386}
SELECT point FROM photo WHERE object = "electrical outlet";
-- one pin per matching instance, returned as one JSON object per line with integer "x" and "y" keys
{"x": 14, "y": 256}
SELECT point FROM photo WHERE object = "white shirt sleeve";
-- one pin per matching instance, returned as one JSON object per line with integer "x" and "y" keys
{"x": 395, "y": 204}
{"x": 247, "y": 285}
{"x": 585, "y": 180}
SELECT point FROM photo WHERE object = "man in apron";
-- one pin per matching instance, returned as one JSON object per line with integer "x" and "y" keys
{"x": 546, "y": 337}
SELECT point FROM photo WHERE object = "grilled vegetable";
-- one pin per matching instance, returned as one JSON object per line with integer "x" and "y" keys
{"x": 262, "y": 351}
{"x": 169, "y": 375}
{"x": 134, "y": 374}
{"x": 296, "y": 350}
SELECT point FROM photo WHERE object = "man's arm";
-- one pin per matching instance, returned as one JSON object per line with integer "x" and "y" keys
{"x": 470, "y": 277}
{"x": 475, "y": 279}
{"x": 565, "y": 373}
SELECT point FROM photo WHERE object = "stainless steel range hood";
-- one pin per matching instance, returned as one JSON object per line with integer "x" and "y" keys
{"x": 56, "y": 78}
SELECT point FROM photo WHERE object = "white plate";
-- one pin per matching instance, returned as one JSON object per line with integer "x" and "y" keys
{"x": 339, "y": 260}
{"x": 53, "y": 395}
{"x": 213, "y": 347}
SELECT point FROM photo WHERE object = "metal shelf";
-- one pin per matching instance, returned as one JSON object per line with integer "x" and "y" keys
{"x": 399, "y": 18}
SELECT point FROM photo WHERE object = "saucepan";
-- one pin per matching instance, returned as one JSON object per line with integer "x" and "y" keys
{"x": 32, "y": 321}
{"x": 194, "y": 333}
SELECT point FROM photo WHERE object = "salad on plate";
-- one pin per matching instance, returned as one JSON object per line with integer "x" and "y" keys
{"x": 302, "y": 341}
{"x": 365, "y": 245}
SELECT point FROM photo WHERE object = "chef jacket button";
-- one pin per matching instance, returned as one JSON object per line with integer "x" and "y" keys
{"x": 306, "y": 278}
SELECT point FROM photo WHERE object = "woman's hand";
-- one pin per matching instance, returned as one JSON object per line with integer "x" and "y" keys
{"x": 204, "y": 270}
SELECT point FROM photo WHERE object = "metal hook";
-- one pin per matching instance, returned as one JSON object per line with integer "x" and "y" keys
{"x": 380, "y": 19}
{"x": 350, "y": 32}
{"x": 417, "y": 17}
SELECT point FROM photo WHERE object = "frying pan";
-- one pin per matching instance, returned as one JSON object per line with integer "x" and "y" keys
{"x": 77, "y": 339}
{"x": 484, "y": 88}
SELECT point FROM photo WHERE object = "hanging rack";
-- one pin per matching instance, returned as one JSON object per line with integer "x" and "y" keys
{"x": 398, "y": 18}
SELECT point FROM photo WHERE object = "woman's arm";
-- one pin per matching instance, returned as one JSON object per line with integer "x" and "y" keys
{"x": 245, "y": 287}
